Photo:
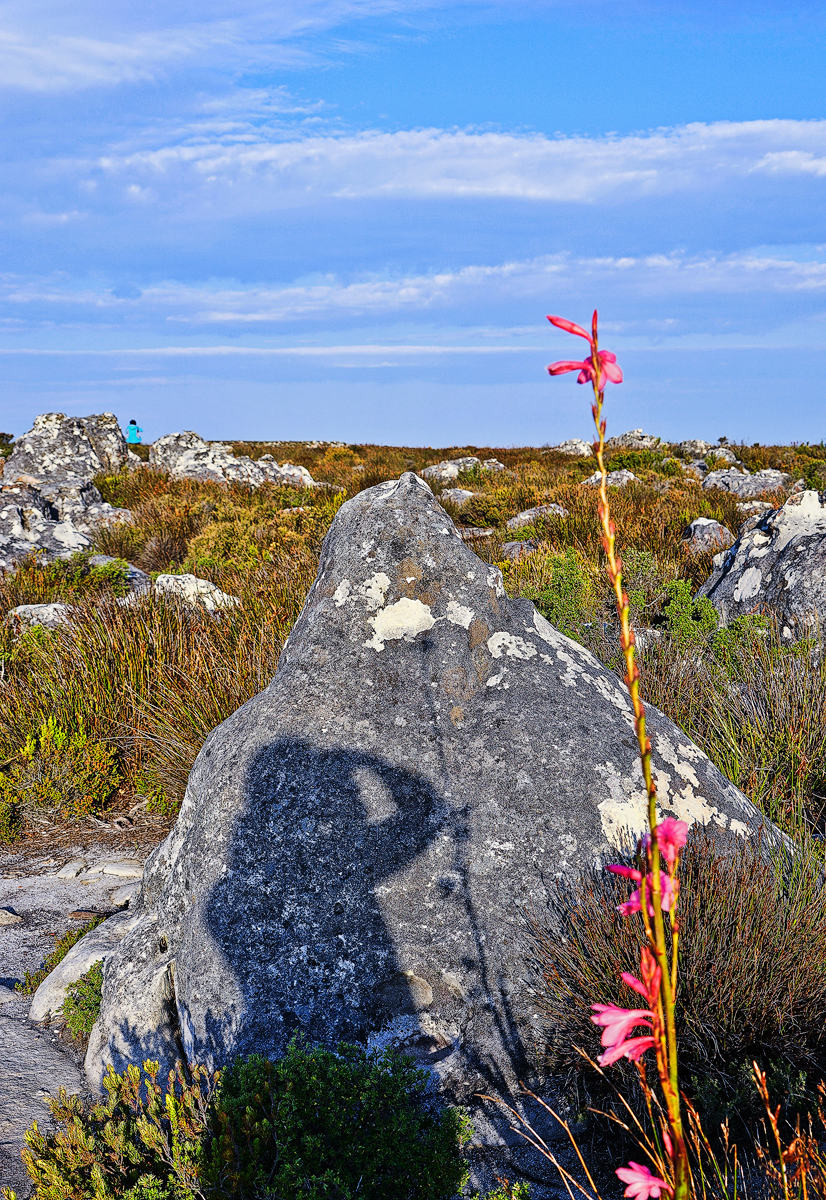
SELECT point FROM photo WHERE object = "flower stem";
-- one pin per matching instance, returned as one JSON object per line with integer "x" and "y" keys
{"x": 666, "y": 1042}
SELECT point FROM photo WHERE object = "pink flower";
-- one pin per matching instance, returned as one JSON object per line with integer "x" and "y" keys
{"x": 617, "y": 1022}
{"x": 651, "y": 977}
{"x": 606, "y": 362}
{"x": 634, "y": 903}
{"x": 632, "y": 1048}
{"x": 671, "y": 836}
{"x": 641, "y": 1183}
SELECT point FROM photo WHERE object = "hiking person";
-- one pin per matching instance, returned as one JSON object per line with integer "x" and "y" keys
{"x": 133, "y": 433}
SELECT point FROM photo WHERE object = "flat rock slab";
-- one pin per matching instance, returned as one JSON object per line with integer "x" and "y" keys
{"x": 32, "y": 1066}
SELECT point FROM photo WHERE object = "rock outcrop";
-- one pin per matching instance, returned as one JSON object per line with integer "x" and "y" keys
{"x": 778, "y": 565}
{"x": 50, "y": 518}
{"x": 451, "y": 468}
{"x": 188, "y": 456}
{"x": 745, "y": 485}
{"x": 359, "y": 844}
{"x": 634, "y": 439}
{"x": 61, "y": 447}
{"x": 617, "y": 479}
{"x": 531, "y": 515}
{"x": 574, "y": 448}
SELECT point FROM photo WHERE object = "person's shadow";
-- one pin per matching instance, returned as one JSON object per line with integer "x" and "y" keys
{"x": 298, "y": 914}
{"x": 313, "y": 939}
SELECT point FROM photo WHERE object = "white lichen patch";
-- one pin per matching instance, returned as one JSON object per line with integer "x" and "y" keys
{"x": 342, "y": 593}
{"x": 748, "y": 585}
{"x": 374, "y": 590}
{"x": 495, "y": 581}
{"x": 404, "y": 619}
{"x": 458, "y": 614}
{"x": 510, "y": 645}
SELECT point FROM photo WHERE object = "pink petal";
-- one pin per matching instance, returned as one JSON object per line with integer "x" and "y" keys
{"x": 632, "y": 1048}
{"x": 671, "y": 836}
{"x": 607, "y": 356}
{"x": 618, "y": 1022}
{"x": 613, "y": 372}
{"x": 634, "y": 983}
{"x": 626, "y": 872}
{"x": 559, "y": 368}
{"x": 570, "y": 327}
{"x": 631, "y": 905}
{"x": 584, "y": 376}
{"x": 642, "y": 1184}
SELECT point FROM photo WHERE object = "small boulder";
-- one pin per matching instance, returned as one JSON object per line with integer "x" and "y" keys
{"x": 705, "y": 535}
{"x": 617, "y": 479}
{"x": 472, "y": 533}
{"x": 531, "y": 515}
{"x": 194, "y": 591}
{"x": 9, "y": 918}
{"x": 72, "y": 869}
{"x": 97, "y": 944}
{"x": 741, "y": 483}
{"x": 778, "y": 565}
{"x": 50, "y": 616}
{"x": 458, "y": 496}
{"x": 451, "y": 468}
{"x": 573, "y": 448}
{"x": 513, "y": 551}
{"x": 29, "y": 523}
{"x": 634, "y": 439}
{"x": 695, "y": 448}
{"x": 750, "y": 508}
{"x": 136, "y": 579}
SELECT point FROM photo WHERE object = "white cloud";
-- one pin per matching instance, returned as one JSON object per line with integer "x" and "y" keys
{"x": 463, "y": 164}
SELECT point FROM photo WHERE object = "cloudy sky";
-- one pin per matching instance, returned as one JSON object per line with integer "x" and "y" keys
{"x": 349, "y": 218}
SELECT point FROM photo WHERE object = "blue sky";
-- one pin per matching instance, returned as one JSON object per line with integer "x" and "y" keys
{"x": 348, "y": 218}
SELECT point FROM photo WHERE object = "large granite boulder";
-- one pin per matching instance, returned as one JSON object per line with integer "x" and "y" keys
{"x": 359, "y": 844}
{"x": 59, "y": 447}
{"x": 778, "y": 564}
{"x": 634, "y": 439}
{"x": 188, "y": 456}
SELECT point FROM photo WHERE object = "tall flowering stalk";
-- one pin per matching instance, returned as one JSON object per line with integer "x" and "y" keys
{"x": 658, "y": 888}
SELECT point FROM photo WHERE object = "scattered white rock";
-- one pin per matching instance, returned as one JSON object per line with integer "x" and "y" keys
{"x": 705, "y": 534}
{"x": 748, "y": 508}
{"x": 458, "y": 496}
{"x": 9, "y": 918}
{"x": 574, "y": 448}
{"x": 50, "y": 616}
{"x": 64, "y": 447}
{"x": 695, "y": 448}
{"x": 471, "y": 533}
{"x": 195, "y": 591}
{"x": 188, "y": 456}
{"x": 127, "y": 868}
{"x": 72, "y": 869}
{"x": 634, "y": 439}
{"x": 616, "y": 479}
{"x": 7, "y": 994}
{"x": 96, "y": 944}
{"x": 451, "y": 468}
{"x": 540, "y": 513}
{"x": 741, "y": 483}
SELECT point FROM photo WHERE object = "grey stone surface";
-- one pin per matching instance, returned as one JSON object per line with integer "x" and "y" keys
{"x": 705, "y": 534}
{"x": 616, "y": 479}
{"x": 62, "y": 447}
{"x": 359, "y": 843}
{"x": 96, "y": 944}
{"x": 32, "y": 1067}
{"x": 779, "y": 565}
{"x": 188, "y": 456}
{"x": 7, "y": 917}
{"x": 28, "y": 524}
{"x": 695, "y": 448}
{"x": 516, "y": 550}
{"x": 531, "y": 515}
{"x": 196, "y": 591}
{"x": 742, "y": 484}
{"x": 50, "y": 616}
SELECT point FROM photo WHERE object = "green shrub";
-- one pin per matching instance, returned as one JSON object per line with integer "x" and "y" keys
{"x": 9, "y": 821}
{"x": 689, "y": 621}
{"x": 752, "y": 974}
{"x": 32, "y": 980}
{"x": 81, "y": 1007}
{"x": 568, "y": 598}
{"x": 66, "y": 579}
{"x": 638, "y": 460}
{"x": 313, "y": 1126}
{"x": 318, "y": 1124}
{"x": 484, "y": 512}
{"x": 61, "y": 772}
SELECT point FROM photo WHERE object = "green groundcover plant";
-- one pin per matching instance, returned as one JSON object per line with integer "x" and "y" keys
{"x": 32, "y": 979}
{"x": 315, "y": 1125}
